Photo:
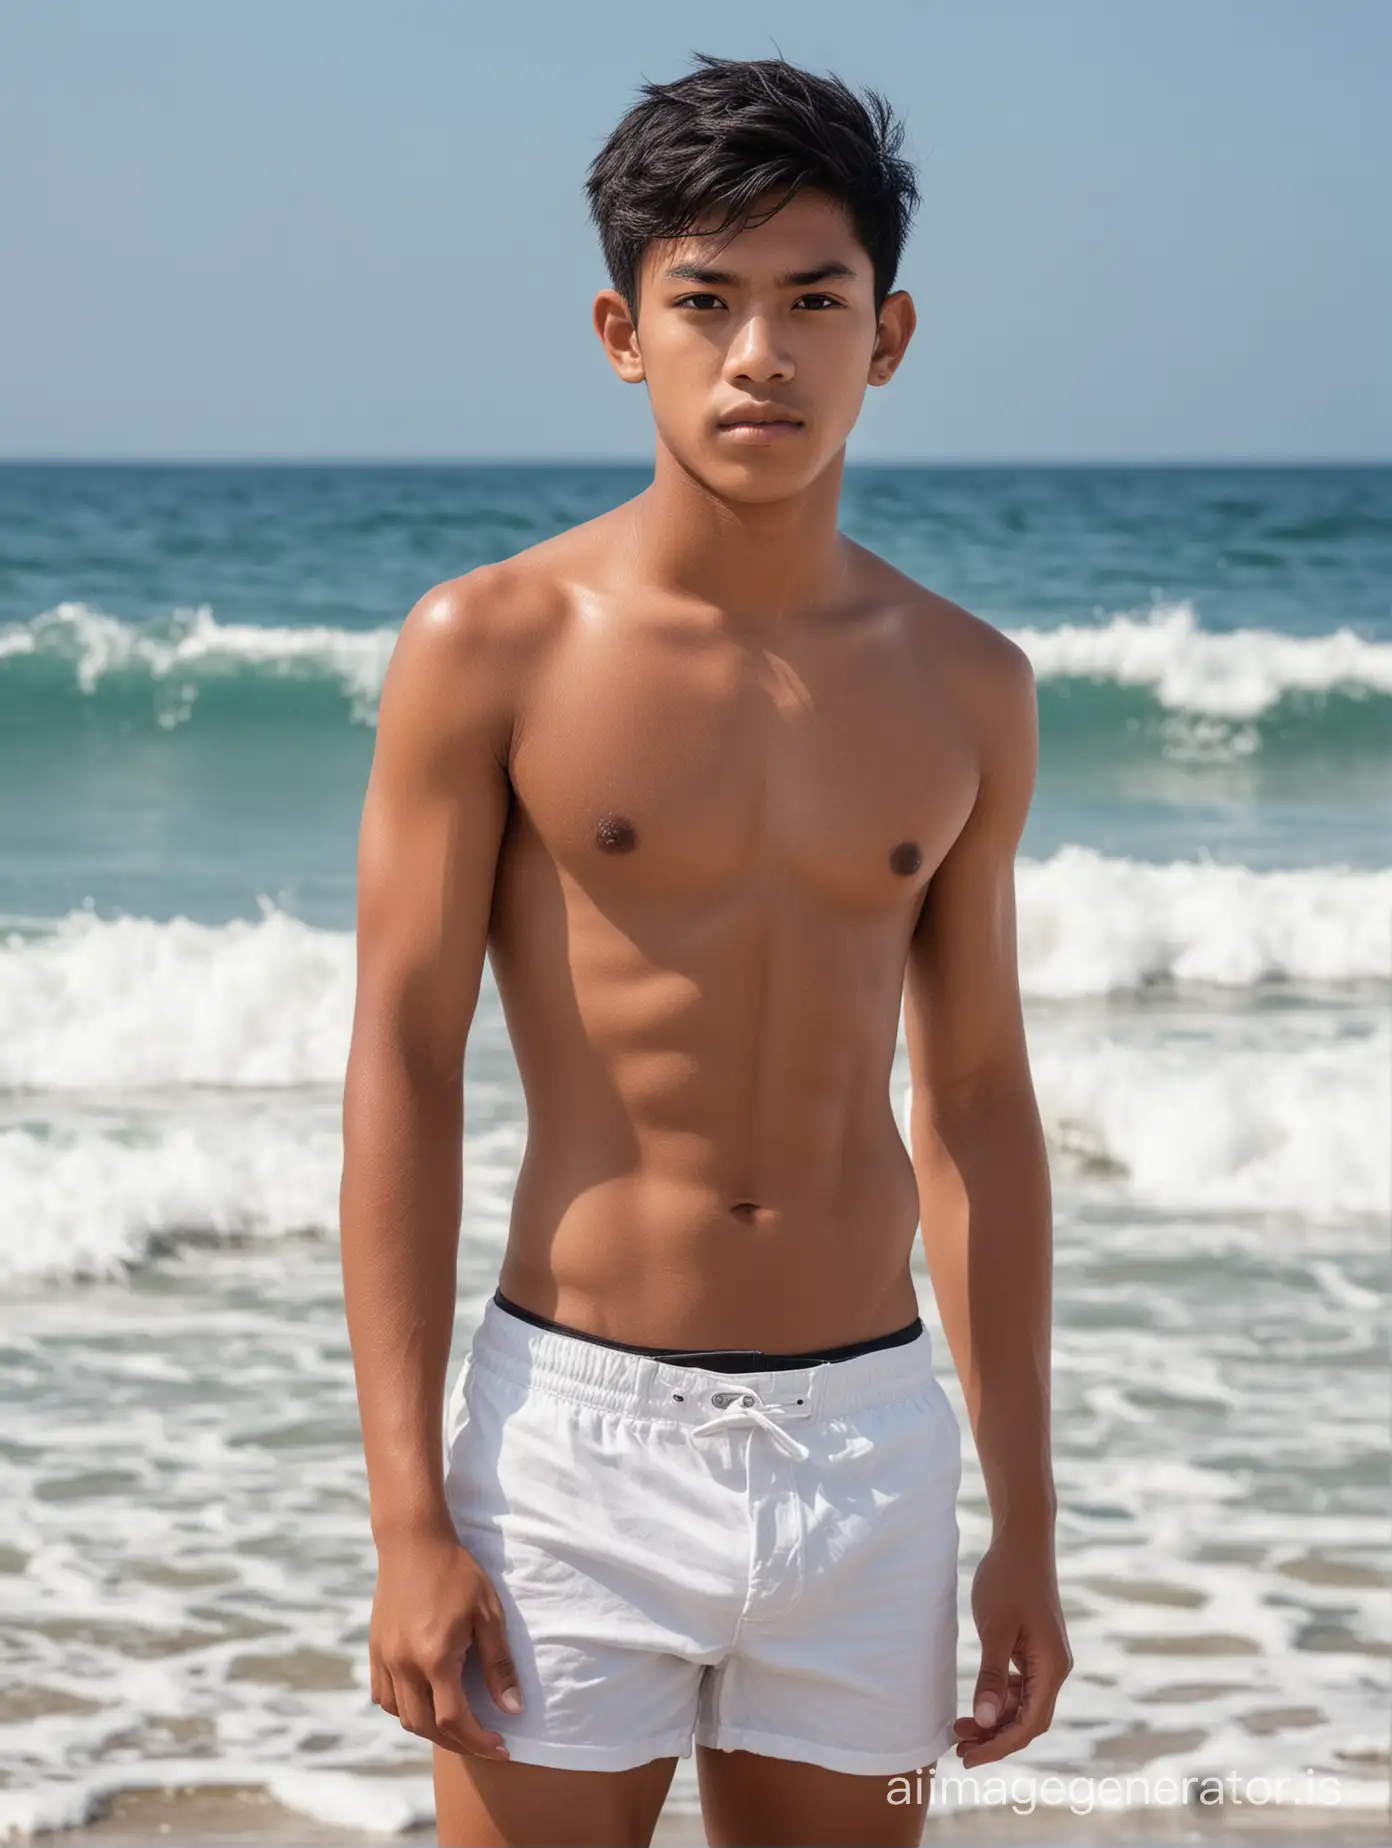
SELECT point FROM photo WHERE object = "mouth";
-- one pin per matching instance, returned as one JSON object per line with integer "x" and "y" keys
{"x": 760, "y": 429}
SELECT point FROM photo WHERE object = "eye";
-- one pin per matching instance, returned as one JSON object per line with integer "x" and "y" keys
{"x": 829, "y": 301}
{"x": 700, "y": 301}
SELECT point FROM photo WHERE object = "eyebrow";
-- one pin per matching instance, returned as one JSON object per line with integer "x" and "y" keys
{"x": 795, "y": 279}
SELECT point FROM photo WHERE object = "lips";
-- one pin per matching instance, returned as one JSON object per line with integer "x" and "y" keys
{"x": 765, "y": 414}
{"x": 760, "y": 429}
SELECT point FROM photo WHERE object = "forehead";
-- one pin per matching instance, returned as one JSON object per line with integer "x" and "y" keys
{"x": 811, "y": 228}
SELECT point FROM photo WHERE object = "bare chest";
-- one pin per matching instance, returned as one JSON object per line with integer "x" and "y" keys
{"x": 666, "y": 766}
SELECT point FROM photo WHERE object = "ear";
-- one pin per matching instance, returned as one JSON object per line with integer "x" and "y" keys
{"x": 618, "y": 334}
{"x": 892, "y": 336}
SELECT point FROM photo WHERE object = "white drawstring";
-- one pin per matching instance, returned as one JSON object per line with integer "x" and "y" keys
{"x": 748, "y": 1408}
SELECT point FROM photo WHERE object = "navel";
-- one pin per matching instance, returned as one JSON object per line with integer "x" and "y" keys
{"x": 616, "y": 834}
{"x": 906, "y": 859}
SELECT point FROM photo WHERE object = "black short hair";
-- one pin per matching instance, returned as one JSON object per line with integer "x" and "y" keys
{"x": 733, "y": 130}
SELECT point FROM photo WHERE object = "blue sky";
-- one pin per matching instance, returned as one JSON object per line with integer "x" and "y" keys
{"x": 323, "y": 228}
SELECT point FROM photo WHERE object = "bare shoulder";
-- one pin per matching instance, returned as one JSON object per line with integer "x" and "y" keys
{"x": 992, "y": 680}
{"x": 983, "y": 666}
{"x": 993, "y": 675}
{"x": 988, "y": 681}
{"x": 462, "y": 657}
{"x": 436, "y": 804}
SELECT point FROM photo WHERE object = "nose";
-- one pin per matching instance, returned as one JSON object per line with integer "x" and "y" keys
{"x": 757, "y": 353}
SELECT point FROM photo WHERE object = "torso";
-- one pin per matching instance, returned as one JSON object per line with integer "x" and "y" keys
{"x": 719, "y": 843}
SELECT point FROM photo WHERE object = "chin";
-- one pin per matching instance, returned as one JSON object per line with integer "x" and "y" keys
{"x": 758, "y": 478}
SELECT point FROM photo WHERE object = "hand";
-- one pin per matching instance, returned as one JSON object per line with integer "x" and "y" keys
{"x": 1015, "y": 1603}
{"x": 433, "y": 1602}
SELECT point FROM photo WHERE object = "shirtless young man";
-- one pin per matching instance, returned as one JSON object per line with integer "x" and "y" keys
{"x": 713, "y": 786}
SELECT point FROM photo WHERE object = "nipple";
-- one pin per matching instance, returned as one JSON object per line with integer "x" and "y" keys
{"x": 906, "y": 859}
{"x": 616, "y": 834}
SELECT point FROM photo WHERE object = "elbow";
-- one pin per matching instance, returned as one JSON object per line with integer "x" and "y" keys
{"x": 411, "y": 1027}
{"x": 384, "y": 1056}
{"x": 974, "y": 1095}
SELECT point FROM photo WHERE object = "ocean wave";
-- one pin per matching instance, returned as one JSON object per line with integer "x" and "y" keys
{"x": 1217, "y": 1117}
{"x": 171, "y": 1084}
{"x": 100, "y": 1194}
{"x": 90, "y": 1003}
{"x": 1093, "y": 925}
{"x": 95, "y": 1199}
{"x": 88, "y": 651}
{"x": 1287, "y": 1122}
{"x": 1226, "y": 678}
{"x": 1239, "y": 674}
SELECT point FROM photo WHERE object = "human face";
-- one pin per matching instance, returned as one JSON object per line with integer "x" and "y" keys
{"x": 757, "y": 356}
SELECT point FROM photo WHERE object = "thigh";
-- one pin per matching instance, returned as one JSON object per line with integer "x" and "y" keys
{"x": 489, "y": 1803}
{"x": 749, "y": 1801}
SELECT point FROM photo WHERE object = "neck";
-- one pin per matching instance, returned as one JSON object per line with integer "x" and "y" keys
{"x": 756, "y": 562}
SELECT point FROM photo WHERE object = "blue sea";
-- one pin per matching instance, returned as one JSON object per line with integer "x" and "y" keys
{"x": 190, "y": 660}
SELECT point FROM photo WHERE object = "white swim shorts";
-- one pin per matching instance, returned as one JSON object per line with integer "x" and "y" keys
{"x": 764, "y": 1561}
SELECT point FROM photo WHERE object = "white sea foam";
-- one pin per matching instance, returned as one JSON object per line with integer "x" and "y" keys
{"x": 170, "y": 1081}
{"x": 88, "y": 1198}
{"x": 1286, "y": 1120}
{"x": 89, "y": 1195}
{"x": 193, "y": 645}
{"x": 126, "y": 1001}
{"x": 1090, "y": 925}
{"x": 93, "y": 1003}
{"x": 375, "y": 1805}
{"x": 1212, "y": 1114}
{"x": 1234, "y": 675}
{"x": 397, "y": 1805}
{"x": 191, "y": 1565}
{"x": 1237, "y": 674}
{"x": 366, "y": 1805}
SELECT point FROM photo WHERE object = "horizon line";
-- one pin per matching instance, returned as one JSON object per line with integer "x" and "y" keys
{"x": 924, "y": 462}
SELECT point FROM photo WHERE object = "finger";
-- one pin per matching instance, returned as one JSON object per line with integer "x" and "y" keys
{"x": 384, "y": 1691}
{"x": 965, "y": 1727}
{"x": 458, "y": 1728}
{"x": 415, "y": 1703}
{"x": 1028, "y": 1722}
{"x": 495, "y": 1660}
{"x": 1014, "y": 1700}
{"x": 992, "y": 1682}
{"x": 999, "y": 1745}
{"x": 1014, "y": 1729}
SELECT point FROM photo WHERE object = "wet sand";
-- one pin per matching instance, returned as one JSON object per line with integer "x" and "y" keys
{"x": 152, "y": 1819}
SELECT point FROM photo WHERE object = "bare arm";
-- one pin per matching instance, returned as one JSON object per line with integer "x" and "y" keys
{"x": 978, "y": 1146}
{"x": 983, "y": 1178}
{"x": 433, "y": 818}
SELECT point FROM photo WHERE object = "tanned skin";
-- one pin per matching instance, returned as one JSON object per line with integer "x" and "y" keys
{"x": 714, "y": 787}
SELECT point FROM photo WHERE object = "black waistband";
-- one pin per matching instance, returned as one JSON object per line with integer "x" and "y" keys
{"x": 724, "y": 1360}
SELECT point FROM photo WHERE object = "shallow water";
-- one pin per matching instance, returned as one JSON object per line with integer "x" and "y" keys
{"x": 1205, "y": 934}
